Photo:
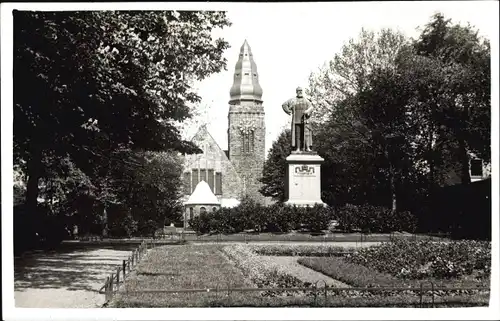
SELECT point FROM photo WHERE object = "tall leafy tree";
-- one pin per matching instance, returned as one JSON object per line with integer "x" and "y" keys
{"x": 274, "y": 170}
{"x": 464, "y": 112}
{"x": 101, "y": 83}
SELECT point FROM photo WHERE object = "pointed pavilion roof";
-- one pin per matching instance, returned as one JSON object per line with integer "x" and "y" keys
{"x": 202, "y": 195}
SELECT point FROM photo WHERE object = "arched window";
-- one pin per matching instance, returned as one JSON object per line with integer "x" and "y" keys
{"x": 191, "y": 213}
{"x": 203, "y": 210}
{"x": 248, "y": 141}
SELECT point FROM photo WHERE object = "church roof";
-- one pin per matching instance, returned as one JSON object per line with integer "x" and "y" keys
{"x": 202, "y": 194}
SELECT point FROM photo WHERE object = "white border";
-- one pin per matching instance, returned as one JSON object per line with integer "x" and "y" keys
{"x": 11, "y": 313}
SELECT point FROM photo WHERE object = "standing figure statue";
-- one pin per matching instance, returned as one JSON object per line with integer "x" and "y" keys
{"x": 300, "y": 108}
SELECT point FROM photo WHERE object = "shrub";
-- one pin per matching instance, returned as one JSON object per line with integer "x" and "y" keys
{"x": 317, "y": 218}
{"x": 251, "y": 215}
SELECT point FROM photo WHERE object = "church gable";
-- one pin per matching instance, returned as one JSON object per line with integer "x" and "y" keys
{"x": 212, "y": 166}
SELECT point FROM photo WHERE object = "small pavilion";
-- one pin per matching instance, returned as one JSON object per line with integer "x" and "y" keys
{"x": 201, "y": 201}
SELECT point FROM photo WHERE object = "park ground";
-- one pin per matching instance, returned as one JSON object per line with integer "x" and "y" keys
{"x": 71, "y": 276}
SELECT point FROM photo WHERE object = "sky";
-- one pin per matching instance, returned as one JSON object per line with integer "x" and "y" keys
{"x": 291, "y": 40}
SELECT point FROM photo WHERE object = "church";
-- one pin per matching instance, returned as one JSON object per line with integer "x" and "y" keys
{"x": 233, "y": 173}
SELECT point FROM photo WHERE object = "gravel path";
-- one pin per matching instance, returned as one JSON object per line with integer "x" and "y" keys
{"x": 304, "y": 273}
{"x": 64, "y": 280}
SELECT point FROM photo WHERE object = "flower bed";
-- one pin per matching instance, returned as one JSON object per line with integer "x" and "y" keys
{"x": 261, "y": 271}
{"x": 424, "y": 259}
{"x": 300, "y": 250}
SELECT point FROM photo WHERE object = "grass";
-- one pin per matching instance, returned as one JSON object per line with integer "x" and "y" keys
{"x": 179, "y": 267}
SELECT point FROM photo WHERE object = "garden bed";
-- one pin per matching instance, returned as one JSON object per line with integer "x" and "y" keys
{"x": 301, "y": 250}
{"x": 407, "y": 265}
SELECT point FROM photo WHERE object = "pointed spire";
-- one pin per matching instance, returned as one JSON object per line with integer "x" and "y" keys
{"x": 246, "y": 78}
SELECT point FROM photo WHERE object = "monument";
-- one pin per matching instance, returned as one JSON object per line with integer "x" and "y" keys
{"x": 303, "y": 177}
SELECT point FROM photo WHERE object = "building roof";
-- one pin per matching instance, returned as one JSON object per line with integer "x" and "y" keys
{"x": 202, "y": 195}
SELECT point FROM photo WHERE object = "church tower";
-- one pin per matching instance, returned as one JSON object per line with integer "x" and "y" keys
{"x": 246, "y": 131}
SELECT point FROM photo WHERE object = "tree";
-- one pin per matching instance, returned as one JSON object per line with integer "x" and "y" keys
{"x": 465, "y": 109}
{"x": 274, "y": 170}
{"x": 347, "y": 72}
{"x": 106, "y": 82}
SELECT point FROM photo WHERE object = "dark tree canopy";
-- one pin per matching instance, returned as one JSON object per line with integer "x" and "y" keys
{"x": 274, "y": 171}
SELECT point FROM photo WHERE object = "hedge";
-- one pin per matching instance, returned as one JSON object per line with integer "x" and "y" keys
{"x": 250, "y": 215}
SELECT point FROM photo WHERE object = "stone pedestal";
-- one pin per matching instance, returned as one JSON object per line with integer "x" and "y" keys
{"x": 303, "y": 179}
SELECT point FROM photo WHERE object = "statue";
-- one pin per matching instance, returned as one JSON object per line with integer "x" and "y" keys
{"x": 300, "y": 108}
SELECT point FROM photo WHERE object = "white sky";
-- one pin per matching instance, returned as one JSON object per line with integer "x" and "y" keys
{"x": 291, "y": 40}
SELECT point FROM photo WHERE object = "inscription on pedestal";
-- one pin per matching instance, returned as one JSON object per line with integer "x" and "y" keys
{"x": 303, "y": 170}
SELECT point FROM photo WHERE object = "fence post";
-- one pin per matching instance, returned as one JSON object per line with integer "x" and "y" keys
{"x": 124, "y": 264}
{"x": 117, "y": 278}
{"x": 315, "y": 295}
{"x": 106, "y": 290}
{"x": 132, "y": 258}
{"x": 111, "y": 286}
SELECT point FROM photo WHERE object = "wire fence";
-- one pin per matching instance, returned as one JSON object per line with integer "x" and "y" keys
{"x": 426, "y": 294}
{"x": 113, "y": 281}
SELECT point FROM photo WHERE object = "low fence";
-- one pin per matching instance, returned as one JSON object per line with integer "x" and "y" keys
{"x": 113, "y": 281}
{"x": 423, "y": 293}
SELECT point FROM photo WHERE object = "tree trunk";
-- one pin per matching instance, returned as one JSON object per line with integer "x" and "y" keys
{"x": 34, "y": 173}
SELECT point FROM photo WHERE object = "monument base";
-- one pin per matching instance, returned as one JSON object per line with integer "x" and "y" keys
{"x": 304, "y": 179}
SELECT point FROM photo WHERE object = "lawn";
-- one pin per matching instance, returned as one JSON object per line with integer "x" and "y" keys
{"x": 222, "y": 267}
{"x": 179, "y": 267}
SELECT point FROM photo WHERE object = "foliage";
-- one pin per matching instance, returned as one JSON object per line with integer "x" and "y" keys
{"x": 422, "y": 259}
{"x": 368, "y": 218}
{"x": 249, "y": 215}
{"x": 274, "y": 170}
{"x": 281, "y": 218}
{"x": 262, "y": 271}
{"x": 106, "y": 86}
{"x": 299, "y": 250}
{"x": 397, "y": 117}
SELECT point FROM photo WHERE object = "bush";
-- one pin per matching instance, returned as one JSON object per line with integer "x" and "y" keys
{"x": 368, "y": 218}
{"x": 251, "y": 215}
